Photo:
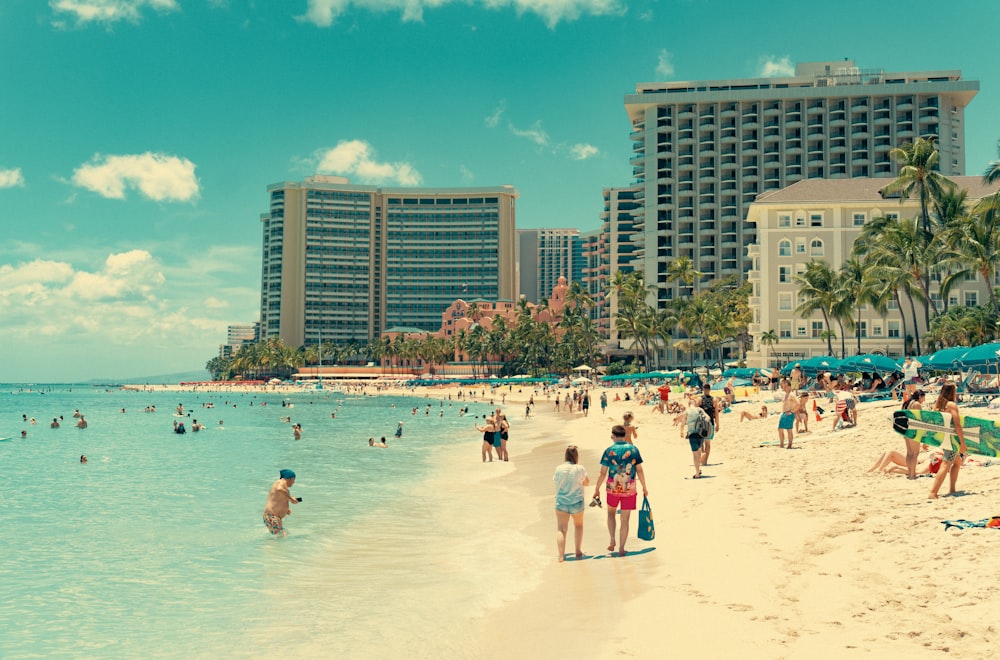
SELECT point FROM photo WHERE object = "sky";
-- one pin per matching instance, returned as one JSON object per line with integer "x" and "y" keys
{"x": 138, "y": 137}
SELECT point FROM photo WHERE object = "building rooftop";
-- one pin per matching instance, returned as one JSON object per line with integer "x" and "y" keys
{"x": 858, "y": 190}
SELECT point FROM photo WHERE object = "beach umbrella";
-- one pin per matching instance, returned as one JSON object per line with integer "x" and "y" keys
{"x": 816, "y": 364}
{"x": 582, "y": 380}
{"x": 873, "y": 362}
{"x": 944, "y": 360}
{"x": 979, "y": 357}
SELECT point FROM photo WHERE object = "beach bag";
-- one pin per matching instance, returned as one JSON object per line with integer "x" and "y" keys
{"x": 703, "y": 425}
{"x": 646, "y": 531}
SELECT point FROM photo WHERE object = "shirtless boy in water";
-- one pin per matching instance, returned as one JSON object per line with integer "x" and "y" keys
{"x": 279, "y": 502}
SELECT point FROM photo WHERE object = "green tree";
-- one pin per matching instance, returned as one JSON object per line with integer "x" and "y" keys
{"x": 817, "y": 288}
{"x": 919, "y": 175}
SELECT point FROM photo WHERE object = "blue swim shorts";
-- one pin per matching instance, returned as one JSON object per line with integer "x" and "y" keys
{"x": 787, "y": 421}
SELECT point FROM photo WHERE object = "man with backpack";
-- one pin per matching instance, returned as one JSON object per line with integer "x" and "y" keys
{"x": 698, "y": 427}
{"x": 708, "y": 405}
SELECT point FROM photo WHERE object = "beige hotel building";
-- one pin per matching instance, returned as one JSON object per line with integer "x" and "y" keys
{"x": 820, "y": 219}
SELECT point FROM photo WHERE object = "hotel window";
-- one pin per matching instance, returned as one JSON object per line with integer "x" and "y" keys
{"x": 971, "y": 298}
{"x": 817, "y": 329}
{"x": 800, "y": 268}
{"x": 863, "y": 329}
{"x": 784, "y": 329}
{"x": 892, "y": 304}
{"x": 952, "y": 299}
{"x": 816, "y": 248}
{"x": 800, "y": 246}
{"x": 936, "y": 298}
{"x": 785, "y": 302}
{"x": 876, "y": 329}
{"x": 816, "y": 220}
{"x": 800, "y": 330}
{"x": 785, "y": 248}
{"x": 784, "y": 220}
{"x": 800, "y": 221}
{"x": 894, "y": 329}
{"x": 859, "y": 219}
{"x": 784, "y": 274}
{"x": 892, "y": 216}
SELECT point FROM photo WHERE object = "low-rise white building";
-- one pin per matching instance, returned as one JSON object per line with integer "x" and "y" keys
{"x": 820, "y": 219}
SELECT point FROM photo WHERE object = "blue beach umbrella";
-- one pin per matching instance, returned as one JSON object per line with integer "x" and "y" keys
{"x": 878, "y": 363}
{"x": 983, "y": 356}
{"x": 943, "y": 360}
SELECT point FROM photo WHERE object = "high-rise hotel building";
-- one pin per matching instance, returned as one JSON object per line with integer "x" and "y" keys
{"x": 346, "y": 262}
{"x": 545, "y": 255}
{"x": 703, "y": 151}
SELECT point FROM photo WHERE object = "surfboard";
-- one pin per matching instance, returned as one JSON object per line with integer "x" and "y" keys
{"x": 982, "y": 436}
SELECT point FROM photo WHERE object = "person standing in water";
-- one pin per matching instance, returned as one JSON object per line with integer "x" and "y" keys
{"x": 279, "y": 501}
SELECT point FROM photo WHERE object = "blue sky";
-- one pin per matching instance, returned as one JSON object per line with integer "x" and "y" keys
{"x": 137, "y": 137}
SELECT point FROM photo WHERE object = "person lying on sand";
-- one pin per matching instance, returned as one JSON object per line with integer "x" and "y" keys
{"x": 751, "y": 416}
{"x": 894, "y": 462}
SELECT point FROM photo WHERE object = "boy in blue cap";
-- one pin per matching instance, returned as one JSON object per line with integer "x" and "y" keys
{"x": 279, "y": 502}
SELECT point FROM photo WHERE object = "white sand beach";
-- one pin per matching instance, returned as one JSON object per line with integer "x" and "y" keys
{"x": 774, "y": 554}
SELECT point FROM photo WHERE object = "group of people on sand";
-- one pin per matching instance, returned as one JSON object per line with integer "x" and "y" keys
{"x": 621, "y": 468}
{"x": 496, "y": 432}
{"x": 943, "y": 461}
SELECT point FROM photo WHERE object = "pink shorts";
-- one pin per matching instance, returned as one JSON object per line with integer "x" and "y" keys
{"x": 627, "y": 502}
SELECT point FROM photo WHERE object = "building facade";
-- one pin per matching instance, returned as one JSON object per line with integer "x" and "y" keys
{"x": 704, "y": 150}
{"x": 820, "y": 219}
{"x": 342, "y": 262}
{"x": 237, "y": 335}
{"x": 545, "y": 255}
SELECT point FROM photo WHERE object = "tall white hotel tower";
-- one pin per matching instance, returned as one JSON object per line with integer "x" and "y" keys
{"x": 702, "y": 151}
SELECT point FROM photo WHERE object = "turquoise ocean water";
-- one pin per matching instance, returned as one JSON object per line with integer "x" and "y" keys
{"x": 155, "y": 547}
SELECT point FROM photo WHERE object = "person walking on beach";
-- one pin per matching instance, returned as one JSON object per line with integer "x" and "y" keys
{"x": 621, "y": 464}
{"x": 585, "y": 403}
{"x": 570, "y": 478}
{"x": 796, "y": 377}
{"x": 708, "y": 405}
{"x": 691, "y": 430}
{"x": 279, "y": 501}
{"x": 786, "y": 423}
{"x": 950, "y": 463}
{"x": 631, "y": 430}
{"x": 604, "y": 402}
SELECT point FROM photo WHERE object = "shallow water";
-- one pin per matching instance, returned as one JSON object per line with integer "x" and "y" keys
{"x": 156, "y": 546}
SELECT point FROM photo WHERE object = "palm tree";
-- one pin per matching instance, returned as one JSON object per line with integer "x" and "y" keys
{"x": 769, "y": 339}
{"x": 817, "y": 287}
{"x": 682, "y": 269}
{"x": 975, "y": 239}
{"x": 919, "y": 174}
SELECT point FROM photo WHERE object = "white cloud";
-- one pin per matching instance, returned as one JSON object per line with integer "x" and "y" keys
{"x": 536, "y": 134}
{"x": 324, "y": 13}
{"x": 770, "y": 66}
{"x": 11, "y": 178}
{"x": 583, "y": 151}
{"x": 157, "y": 176}
{"x": 494, "y": 119}
{"x": 466, "y": 174}
{"x": 109, "y": 11}
{"x": 358, "y": 157}
{"x": 665, "y": 63}
{"x": 128, "y": 315}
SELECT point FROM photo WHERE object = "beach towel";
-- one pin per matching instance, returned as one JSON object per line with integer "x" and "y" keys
{"x": 961, "y": 523}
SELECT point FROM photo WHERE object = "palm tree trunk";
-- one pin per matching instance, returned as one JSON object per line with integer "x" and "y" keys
{"x": 916, "y": 327}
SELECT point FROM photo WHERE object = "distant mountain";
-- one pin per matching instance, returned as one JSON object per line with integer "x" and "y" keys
{"x": 184, "y": 376}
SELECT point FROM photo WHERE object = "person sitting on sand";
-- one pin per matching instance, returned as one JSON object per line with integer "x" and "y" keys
{"x": 751, "y": 416}
{"x": 894, "y": 462}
